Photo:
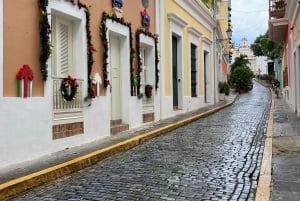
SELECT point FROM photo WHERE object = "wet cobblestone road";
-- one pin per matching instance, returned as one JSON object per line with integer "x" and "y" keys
{"x": 215, "y": 158}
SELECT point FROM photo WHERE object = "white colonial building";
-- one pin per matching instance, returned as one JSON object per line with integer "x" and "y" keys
{"x": 258, "y": 65}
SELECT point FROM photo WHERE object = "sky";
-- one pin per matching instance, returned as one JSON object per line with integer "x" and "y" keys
{"x": 249, "y": 19}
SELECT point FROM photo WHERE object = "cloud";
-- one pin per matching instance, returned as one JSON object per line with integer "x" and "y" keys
{"x": 249, "y": 19}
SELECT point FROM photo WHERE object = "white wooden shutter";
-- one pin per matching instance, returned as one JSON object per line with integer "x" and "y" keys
{"x": 63, "y": 43}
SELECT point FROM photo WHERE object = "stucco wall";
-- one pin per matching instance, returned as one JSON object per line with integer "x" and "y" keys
{"x": 21, "y": 37}
{"x": 197, "y": 21}
{"x": 21, "y": 44}
{"x": 27, "y": 133}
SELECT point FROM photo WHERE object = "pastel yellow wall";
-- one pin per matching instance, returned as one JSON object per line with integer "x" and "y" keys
{"x": 173, "y": 7}
{"x": 222, "y": 16}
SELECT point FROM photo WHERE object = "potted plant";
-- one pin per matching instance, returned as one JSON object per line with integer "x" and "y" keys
{"x": 221, "y": 91}
{"x": 226, "y": 87}
{"x": 148, "y": 91}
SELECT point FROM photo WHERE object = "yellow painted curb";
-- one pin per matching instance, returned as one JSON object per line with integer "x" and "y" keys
{"x": 27, "y": 182}
{"x": 264, "y": 182}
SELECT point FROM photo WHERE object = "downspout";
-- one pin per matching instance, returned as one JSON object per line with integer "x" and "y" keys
{"x": 214, "y": 54}
{"x": 215, "y": 70}
{"x": 159, "y": 26}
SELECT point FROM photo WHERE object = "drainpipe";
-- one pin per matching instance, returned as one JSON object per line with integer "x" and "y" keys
{"x": 215, "y": 70}
{"x": 159, "y": 26}
{"x": 214, "y": 54}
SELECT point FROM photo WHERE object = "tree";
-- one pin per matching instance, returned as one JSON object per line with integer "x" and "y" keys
{"x": 241, "y": 61}
{"x": 242, "y": 78}
{"x": 263, "y": 46}
{"x": 241, "y": 74}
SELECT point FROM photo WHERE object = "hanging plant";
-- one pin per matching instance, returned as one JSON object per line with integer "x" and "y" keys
{"x": 105, "y": 43}
{"x": 68, "y": 88}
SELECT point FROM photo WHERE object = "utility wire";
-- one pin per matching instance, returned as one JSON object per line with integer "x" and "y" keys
{"x": 253, "y": 11}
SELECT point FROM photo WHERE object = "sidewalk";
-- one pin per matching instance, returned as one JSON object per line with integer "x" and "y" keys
{"x": 27, "y": 175}
{"x": 286, "y": 153}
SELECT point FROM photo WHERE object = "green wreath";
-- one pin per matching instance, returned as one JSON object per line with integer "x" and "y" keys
{"x": 68, "y": 88}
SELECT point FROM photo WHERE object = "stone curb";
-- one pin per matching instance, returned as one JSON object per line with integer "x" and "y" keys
{"x": 264, "y": 182}
{"x": 27, "y": 182}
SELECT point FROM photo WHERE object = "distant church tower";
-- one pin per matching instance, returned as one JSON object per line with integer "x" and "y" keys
{"x": 244, "y": 43}
{"x": 258, "y": 65}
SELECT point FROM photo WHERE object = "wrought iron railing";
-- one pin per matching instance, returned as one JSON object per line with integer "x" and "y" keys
{"x": 277, "y": 8}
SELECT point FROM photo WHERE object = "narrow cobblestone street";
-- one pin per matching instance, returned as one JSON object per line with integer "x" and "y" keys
{"x": 215, "y": 158}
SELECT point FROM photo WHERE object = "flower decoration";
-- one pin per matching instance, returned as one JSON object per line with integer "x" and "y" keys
{"x": 45, "y": 45}
{"x": 139, "y": 59}
{"x": 68, "y": 88}
{"x": 104, "y": 39}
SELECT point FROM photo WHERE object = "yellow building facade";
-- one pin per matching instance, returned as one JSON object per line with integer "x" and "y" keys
{"x": 186, "y": 35}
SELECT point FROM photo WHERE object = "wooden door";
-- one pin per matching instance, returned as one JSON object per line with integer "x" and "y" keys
{"x": 174, "y": 72}
{"x": 115, "y": 78}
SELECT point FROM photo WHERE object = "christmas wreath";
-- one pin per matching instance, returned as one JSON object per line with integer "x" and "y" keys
{"x": 69, "y": 88}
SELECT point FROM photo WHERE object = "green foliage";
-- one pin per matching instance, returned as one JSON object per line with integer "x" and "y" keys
{"x": 241, "y": 61}
{"x": 263, "y": 46}
{"x": 268, "y": 77}
{"x": 221, "y": 87}
{"x": 211, "y": 3}
{"x": 242, "y": 77}
{"x": 224, "y": 88}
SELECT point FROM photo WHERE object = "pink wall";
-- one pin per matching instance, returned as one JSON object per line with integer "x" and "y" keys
{"x": 21, "y": 37}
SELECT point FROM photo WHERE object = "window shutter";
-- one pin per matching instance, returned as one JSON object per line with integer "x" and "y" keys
{"x": 64, "y": 50}
{"x": 64, "y": 45}
{"x": 193, "y": 71}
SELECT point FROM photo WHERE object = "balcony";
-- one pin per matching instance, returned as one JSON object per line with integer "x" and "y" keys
{"x": 277, "y": 8}
{"x": 67, "y": 111}
{"x": 278, "y": 23}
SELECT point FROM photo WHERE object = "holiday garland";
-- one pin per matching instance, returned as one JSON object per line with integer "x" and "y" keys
{"x": 139, "y": 59}
{"x": 104, "y": 39}
{"x": 68, "y": 88}
{"x": 45, "y": 45}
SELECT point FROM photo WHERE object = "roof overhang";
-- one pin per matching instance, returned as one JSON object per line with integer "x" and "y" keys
{"x": 278, "y": 29}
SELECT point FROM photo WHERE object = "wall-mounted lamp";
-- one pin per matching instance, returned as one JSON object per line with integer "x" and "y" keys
{"x": 229, "y": 32}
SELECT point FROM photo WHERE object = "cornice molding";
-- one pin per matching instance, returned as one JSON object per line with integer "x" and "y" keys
{"x": 199, "y": 11}
{"x": 176, "y": 19}
{"x": 206, "y": 40}
{"x": 194, "y": 31}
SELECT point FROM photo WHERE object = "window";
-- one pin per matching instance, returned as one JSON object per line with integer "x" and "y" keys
{"x": 193, "y": 70}
{"x": 68, "y": 59}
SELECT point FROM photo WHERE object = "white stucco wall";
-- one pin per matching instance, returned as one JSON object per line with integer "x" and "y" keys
{"x": 26, "y": 128}
{"x": 26, "y": 123}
